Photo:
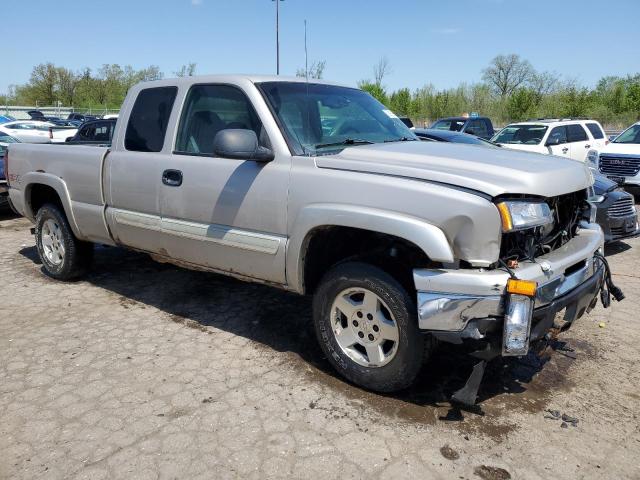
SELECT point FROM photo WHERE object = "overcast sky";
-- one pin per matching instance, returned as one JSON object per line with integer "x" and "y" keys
{"x": 439, "y": 42}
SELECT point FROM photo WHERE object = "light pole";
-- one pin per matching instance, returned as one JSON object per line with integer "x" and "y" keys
{"x": 277, "y": 35}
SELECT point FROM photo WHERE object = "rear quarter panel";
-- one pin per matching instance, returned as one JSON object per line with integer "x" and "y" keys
{"x": 75, "y": 172}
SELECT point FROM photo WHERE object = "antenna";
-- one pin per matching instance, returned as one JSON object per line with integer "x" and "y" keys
{"x": 306, "y": 56}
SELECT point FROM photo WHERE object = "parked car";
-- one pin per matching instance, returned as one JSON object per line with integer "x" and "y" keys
{"x": 6, "y": 118}
{"x": 4, "y": 193}
{"x": 620, "y": 159}
{"x": 79, "y": 117}
{"x": 451, "y": 136}
{"x": 94, "y": 132}
{"x": 570, "y": 138}
{"x": 615, "y": 209}
{"x": 31, "y": 131}
{"x": 400, "y": 242}
{"x": 478, "y": 126}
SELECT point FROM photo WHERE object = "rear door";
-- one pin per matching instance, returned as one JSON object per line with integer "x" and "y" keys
{"x": 477, "y": 127}
{"x": 579, "y": 143}
{"x": 134, "y": 171}
{"x": 599, "y": 138}
{"x": 223, "y": 213}
{"x": 562, "y": 147}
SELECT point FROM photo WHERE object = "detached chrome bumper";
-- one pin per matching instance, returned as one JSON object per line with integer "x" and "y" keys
{"x": 449, "y": 299}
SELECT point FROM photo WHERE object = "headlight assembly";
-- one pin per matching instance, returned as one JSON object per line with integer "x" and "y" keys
{"x": 592, "y": 159}
{"x": 518, "y": 215}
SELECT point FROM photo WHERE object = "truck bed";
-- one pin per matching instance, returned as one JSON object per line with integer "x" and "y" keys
{"x": 76, "y": 169}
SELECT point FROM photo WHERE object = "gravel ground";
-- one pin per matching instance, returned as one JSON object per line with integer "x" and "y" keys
{"x": 144, "y": 370}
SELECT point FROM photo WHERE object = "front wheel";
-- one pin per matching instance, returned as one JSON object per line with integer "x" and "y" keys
{"x": 366, "y": 324}
{"x": 63, "y": 256}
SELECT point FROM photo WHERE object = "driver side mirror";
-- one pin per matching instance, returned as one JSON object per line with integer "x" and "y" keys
{"x": 553, "y": 142}
{"x": 240, "y": 144}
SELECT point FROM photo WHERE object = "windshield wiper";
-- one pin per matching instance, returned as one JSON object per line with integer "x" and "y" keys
{"x": 401, "y": 139}
{"x": 346, "y": 141}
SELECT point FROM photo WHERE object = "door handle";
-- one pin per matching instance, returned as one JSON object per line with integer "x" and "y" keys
{"x": 565, "y": 150}
{"x": 587, "y": 146}
{"x": 172, "y": 178}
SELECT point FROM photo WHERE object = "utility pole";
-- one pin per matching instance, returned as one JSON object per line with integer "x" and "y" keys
{"x": 277, "y": 35}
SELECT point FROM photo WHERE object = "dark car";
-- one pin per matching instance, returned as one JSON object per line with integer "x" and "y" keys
{"x": 4, "y": 191}
{"x": 478, "y": 126}
{"x": 451, "y": 136}
{"x": 80, "y": 117}
{"x": 615, "y": 208}
{"x": 94, "y": 132}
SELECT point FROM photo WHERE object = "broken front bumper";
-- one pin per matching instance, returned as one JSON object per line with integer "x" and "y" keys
{"x": 468, "y": 303}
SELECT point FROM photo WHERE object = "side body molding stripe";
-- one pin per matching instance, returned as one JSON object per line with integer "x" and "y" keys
{"x": 220, "y": 234}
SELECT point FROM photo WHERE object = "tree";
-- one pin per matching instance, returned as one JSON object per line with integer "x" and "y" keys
{"x": 521, "y": 104}
{"x": 67, "y": 85}
{"x": 188, "y": 70}
{"x": 42, "y": 84}
{"x": 400, "y": 102}
{"x": 506, "y": 73}
{"x": 376, "y": 91}
{"x": 316, "y": 70}
{"x": 381, "y": 70}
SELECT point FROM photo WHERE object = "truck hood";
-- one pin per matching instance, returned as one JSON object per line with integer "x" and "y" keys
{"x": 621, "y": 148}
{"x": 493, "y": 171}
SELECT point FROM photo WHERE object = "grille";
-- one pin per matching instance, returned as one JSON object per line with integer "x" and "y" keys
{"x": 621, "y": 208}
{"x": 623, "y": 166}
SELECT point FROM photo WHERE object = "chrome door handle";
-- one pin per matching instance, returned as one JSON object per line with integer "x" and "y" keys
{"x": 172, "y": 178}
{"x": 565, "y": 150}
{"x": 587, "y": 146}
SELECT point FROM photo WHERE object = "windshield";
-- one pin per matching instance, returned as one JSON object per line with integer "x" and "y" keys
{"x": 323, "y": 119}
{"x": 521, "y": 134}
{"x": 450, "y": 124}
{"x": 630, "y": 135}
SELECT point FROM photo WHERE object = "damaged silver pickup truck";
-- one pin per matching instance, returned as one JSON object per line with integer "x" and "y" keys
{"x": 319, "y": 189}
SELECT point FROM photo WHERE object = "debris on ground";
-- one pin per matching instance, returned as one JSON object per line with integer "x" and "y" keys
{"x": 566, "y": 419}
{"x": 449, "y": 453}
{"x": 602, "y": 324}
{"x": 492, "y": 473}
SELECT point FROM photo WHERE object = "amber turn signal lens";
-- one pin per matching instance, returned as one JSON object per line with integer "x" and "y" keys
{"x": 522, "y": 287}
{"x": 505, "y": 216}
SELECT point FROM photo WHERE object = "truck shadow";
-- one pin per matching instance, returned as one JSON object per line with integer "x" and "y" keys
{"x": 281, "y": 321}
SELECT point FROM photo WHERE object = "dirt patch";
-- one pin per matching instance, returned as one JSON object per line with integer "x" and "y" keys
{"x": 491, "y": 473}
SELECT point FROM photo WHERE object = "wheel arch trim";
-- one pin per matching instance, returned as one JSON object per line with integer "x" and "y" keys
{"x": 32, "y": 179}
{"x": 428, "y": 237}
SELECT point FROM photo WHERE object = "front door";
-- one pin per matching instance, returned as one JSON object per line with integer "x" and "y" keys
{"x": 557, "y": 142}
{"x": 223, "y": 213}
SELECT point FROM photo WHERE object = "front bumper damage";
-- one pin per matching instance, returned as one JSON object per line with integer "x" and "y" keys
{"x": 471, "y": 306}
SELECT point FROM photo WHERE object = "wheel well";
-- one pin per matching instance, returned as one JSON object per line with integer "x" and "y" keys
{"x": 40, "y": 194}
{"x": 326, "y": 246}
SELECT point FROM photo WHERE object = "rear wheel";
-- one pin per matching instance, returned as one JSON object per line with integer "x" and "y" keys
{"x": 63, "y": 256}
{"x": 366, "y": 325}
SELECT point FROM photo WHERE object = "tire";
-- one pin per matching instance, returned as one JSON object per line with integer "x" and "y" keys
{"x": 399, "y": 355}
{"x": 63, "y": 256}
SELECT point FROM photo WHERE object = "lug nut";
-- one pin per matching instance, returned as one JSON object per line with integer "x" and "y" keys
{"x": 369, "y": 316}
{"x": 360, "y": 334}
{"x": 359, "y": 314}
{"x": 355, "y": 323}
{"x": 370, "y": 337}
{"x": 376, "y": 328}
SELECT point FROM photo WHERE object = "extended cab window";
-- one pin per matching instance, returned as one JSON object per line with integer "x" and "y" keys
{"x": 211, "y": 108}
{"x": 575, "y": 133}
{"x": 149, "y": 118}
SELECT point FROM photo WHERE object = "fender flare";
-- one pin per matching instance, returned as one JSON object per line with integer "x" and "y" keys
{"x": 429, "y": 238}
{"x": 41, "y": 178}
